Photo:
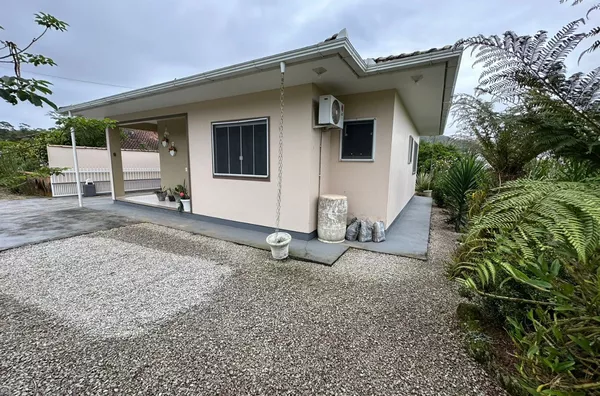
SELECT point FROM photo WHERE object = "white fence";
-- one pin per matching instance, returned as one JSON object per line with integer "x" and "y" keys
{"x": 65, "y": 184}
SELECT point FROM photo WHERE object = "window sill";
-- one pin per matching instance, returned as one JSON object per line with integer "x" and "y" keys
{"x": 356, "y": 160}
{"x": 246, "y": 178}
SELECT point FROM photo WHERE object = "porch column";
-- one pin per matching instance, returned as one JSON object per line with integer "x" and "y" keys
{"x": 113, "y": 146}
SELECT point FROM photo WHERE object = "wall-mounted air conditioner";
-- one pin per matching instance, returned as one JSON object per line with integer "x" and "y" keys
{"x": 331, "y": 112}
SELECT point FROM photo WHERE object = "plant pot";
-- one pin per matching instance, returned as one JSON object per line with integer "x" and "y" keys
{"x": 186, "y": 205}
{"x": 427, "y": 193}
{"x": 172, "y": 152}
{"x": 171, "y": 198}
{"x": 280, "y": 243}
{"x": 161, "y": 195}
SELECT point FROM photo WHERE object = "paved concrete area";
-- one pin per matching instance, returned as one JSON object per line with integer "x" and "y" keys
{"x": 372, "y": 324}
{"x": 37, "y": 220}
{"x": 409, "y": 235}
{"x": 312, "y": 250}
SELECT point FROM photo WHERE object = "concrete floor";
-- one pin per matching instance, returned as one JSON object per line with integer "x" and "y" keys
{"x": 409, "y": 234}
{"x": 30, "y": 221}
{"x": 36, "y": 220}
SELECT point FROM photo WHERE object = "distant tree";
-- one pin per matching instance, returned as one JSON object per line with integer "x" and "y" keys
{"x": 436, "y": 156}
{"x": 502, "y": 138}
{"x": 89, "y": 132}
{"x": 15, "y": 88}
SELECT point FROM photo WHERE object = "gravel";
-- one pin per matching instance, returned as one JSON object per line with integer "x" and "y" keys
{"x": 371, "y": 324}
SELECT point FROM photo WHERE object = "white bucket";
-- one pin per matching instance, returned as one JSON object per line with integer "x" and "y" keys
{"x": 280, "y": 243}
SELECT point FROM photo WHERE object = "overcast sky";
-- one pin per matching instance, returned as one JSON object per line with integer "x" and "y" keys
{"x": 134, "y": 43}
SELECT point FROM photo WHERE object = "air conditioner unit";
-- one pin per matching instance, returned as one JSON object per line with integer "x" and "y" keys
{"x": 331, "y": 111}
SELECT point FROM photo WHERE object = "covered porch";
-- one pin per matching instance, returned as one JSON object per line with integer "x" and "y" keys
{"x": 173, "y": 158}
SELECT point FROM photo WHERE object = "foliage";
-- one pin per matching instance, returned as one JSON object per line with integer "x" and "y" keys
{"x": 424, "y": 182}
{"x": 506, "y": 143}
{"x": 16, "y": 88}
{"x": 593, "y": 32}
{"x": 535, "y": 250}
{"x": 436, "y": 156}
{"x": 560, "y": 169}
{"x": 529, "y": 72}
{"x": 462, "y": 178}
{"x": 89, "y": 132}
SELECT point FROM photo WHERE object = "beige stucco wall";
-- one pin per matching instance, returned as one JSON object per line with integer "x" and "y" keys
{"x": 174, "y": 170}
{"x": 365, "y": 183}
{"x": 97, "y": 157}
{"x": 368, "y": 185}
{"x": 251, "y": 201}
{"x": 401, "y": 180}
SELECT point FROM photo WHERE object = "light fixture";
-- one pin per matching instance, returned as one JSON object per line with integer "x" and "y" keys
{"x": 165, "y": 139}
{"x": 172, "y": 149}
{"x": 417, "y": 78}
{"x": 319, "y": 70}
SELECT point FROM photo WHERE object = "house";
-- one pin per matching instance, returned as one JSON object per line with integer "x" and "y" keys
{"x": 224, "y": 126}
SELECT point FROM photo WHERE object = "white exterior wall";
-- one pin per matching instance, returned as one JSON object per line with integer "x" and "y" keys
{"x": 401, "y": 180}
{"x": 97, "y": 158}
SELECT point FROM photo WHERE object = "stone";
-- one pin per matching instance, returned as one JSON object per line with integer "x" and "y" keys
{"x": 332, "y": 215}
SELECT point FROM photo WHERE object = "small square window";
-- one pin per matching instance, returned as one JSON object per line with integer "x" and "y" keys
{"x": 358, "y": 141}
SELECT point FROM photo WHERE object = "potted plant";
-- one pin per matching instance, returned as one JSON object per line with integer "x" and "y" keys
{"x": 184, "y": 198}
{"x": 424, "y": 181}
{"x": 280, "y": 244}
{"x": 161, "y": 194}
{"x": 165, "y": 141}
{"x": 170, "y": 195}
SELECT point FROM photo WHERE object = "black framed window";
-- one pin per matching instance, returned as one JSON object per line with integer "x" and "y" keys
{"x": 410, "y": 149}
{"x": 241, "y": 148}
{"x": 358, "y": 141}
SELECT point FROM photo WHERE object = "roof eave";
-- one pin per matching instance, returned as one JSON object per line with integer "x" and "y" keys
{"x": 341, "y": 46}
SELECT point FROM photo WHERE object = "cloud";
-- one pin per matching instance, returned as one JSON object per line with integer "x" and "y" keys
{"x": 136, "y": 43}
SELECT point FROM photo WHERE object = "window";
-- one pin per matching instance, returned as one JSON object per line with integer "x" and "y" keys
{"x": 410, "y": 148}
{"x": 358, "y": 140}
{"x": 416, "y": 157}
{"x": 241, "y": 148}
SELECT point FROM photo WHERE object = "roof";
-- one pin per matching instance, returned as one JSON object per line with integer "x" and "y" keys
{"x": 221, "y": 83}
{"x": 393, "y": 57}
{"x": 409, "y": 54}
{"x": 136, "y": 139}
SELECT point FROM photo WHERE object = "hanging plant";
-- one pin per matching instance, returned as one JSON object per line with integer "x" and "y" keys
{"x": 172, "y": 150}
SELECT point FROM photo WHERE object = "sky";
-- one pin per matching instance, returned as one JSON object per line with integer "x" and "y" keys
{"x": 112, "y": 46}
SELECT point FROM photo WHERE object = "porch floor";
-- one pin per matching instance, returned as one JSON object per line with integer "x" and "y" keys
{"x": 149, "y": 200}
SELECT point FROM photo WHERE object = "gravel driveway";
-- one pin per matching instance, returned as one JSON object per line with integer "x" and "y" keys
{"x": 161, "y": 311}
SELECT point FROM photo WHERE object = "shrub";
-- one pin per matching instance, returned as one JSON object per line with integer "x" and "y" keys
{"x": 534, "y": 254}
{"x": 424, "y": 182}
{"x": 463, "y": 177}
